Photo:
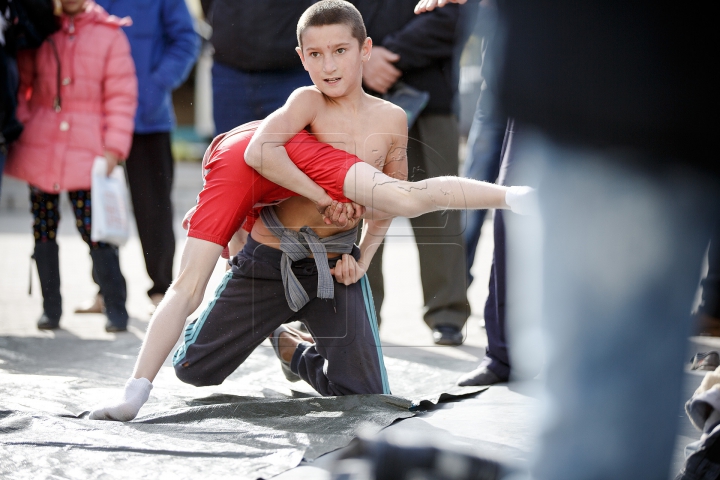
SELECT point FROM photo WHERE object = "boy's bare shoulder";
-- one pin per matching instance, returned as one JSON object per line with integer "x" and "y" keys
{"x": 389, "y": 115}
{"x": 306, "y": 96}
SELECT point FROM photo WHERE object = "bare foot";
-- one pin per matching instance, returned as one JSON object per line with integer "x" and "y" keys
{"x": 288, "y": 342}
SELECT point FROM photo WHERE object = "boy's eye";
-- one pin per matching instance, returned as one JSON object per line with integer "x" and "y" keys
{"x": 340, "y": 50}
{"x": 314, "y": 54}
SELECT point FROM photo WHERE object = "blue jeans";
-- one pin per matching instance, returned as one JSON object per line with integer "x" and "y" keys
{"x": 622, "y": 246}
{"x": 240, "y": 97}
{"x": 482, "y": 163}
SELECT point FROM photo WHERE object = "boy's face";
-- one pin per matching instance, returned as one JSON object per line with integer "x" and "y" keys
{"x": 334, "y": 58}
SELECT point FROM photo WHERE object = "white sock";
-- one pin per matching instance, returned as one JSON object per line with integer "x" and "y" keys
{"x": 137, "y": 392}
{"x": 522, "y": 200}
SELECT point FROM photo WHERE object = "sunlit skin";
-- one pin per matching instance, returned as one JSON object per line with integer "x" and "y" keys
{"x": 73, "y": 7}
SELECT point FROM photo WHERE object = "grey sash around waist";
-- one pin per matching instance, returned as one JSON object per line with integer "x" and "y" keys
{"x": 298, "y": 245}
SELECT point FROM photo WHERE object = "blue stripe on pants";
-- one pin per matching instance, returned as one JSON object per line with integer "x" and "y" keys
{"x": 193, "y": 329}
{"x": 370, "y": 309}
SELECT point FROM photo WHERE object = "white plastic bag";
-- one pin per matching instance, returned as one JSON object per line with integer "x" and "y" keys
{"x": 110, "y": 208}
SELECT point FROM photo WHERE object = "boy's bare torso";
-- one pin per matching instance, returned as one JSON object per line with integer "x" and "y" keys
{"x": 366, "y": 133}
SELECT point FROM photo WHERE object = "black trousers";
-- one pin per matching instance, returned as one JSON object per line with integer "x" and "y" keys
{"x": 150, "y": 172}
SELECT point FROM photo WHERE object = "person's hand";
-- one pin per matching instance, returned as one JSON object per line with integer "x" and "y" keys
{"x": 343, "y": 214}
{"x": 112, "y": 161}
{"x": 429, "y": 5}
{"x": 188, "y": 216}
{"x": 347, "y": 270}
{"x": 379, "y": 73}
{"x": 137, "y": 392}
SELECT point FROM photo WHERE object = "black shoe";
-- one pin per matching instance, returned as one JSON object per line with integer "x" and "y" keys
{"x": 47, "y": 323}
{"x": 447, "y": 335}
{"x": 114, "y": 328}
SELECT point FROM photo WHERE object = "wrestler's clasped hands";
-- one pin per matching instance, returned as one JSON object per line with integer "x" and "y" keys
{"x": 342, "y": 214}
{"x": 347, "y": 270}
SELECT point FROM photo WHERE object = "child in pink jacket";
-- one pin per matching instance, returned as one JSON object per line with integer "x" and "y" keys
{"x": 78, "y": 94}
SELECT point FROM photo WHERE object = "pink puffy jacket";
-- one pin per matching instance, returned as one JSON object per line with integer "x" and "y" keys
{"x": 78, "y": 94}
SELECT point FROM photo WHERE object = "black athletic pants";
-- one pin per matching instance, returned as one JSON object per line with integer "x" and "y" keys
{"x": 150, "y": 172}
{"x": 250, "y": 304}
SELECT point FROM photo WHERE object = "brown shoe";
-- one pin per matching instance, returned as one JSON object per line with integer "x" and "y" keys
{"x": 96, "y": 305}
{"x": 707, "y": 325}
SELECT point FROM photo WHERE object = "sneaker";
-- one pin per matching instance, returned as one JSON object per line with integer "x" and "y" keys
{"x": 705, "y": 361}
{"x": 96, "y": 305}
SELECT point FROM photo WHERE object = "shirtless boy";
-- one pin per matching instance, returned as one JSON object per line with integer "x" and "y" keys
{"x": 333, "y": 47}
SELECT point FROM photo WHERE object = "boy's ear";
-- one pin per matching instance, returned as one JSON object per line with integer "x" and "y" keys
{"x": 366, "y": 49}
{"x": 302, "y": 58}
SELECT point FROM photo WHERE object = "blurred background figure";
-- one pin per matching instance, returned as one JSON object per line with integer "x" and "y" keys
{"x": 495, "y": 365}
{"x": 164, "y": 47}
{"x": 24, "y": 24}
{"x": 255, "y": 66}
{"x": 485, "y": 140}
{"x": 708, "y": 313}
{"x": 613, "y": 99}
{"x": 76, "y": 104}
{"x": 424, "y": 51}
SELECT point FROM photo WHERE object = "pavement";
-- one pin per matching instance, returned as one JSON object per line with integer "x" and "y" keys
{"x": 500, "y": 422}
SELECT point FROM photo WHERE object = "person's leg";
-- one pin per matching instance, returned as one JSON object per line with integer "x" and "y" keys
{"x": 484, "y": 147}
{"x": 496, "y": 355}
{"x": 45, "y": 208}
{"x": 106, "y": 264}
{"x": 249, "y": 304}
{"x": 432, "y": 152}
{"x": 622, "y": 248}
{"x": 150, "y": 177}
{"x": 709, "y": 309}
{"x": 231, "y": 98}
{"x": 347, "y": 356}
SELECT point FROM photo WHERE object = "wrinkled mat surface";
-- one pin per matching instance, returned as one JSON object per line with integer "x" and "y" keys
{"x": 255, "y": 425}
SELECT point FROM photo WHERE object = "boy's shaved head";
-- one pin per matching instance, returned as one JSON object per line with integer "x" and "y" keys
{"x": 332, "y": 12}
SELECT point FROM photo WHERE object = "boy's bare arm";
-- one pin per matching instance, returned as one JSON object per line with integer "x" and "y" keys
{"x": 266, "y": 151}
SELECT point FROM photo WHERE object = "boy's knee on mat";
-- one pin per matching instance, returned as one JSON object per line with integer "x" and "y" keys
{"x": 187, "y": 373}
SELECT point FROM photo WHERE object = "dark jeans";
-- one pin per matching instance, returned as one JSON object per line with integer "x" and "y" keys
{"x": 482, "y": 163}
{"x": 150, "y": 171}
{"x": 240, "y": 97}
{"x": 496, "y": 354}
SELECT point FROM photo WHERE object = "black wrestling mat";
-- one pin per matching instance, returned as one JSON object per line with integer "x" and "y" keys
{"x": 255, "y": 425}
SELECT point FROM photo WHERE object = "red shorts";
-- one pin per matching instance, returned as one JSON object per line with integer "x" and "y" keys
{"x": 231, "y": 188}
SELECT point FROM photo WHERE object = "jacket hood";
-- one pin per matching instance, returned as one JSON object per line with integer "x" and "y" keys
{"x": 94, "y": 13}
